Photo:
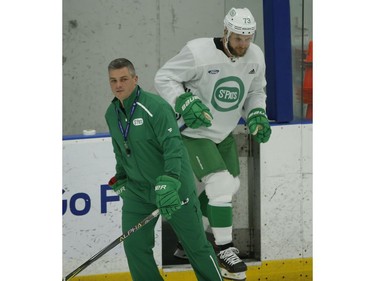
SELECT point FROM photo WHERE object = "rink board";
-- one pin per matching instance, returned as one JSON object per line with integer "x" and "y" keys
{"x": 92, "y": 211}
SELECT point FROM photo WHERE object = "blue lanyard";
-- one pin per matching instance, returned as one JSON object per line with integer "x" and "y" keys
{"x": 125, "y": 132}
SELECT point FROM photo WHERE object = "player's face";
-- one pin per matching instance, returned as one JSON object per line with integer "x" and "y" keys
{"x": 122, "y": 82}
{"x": 238, "y": 44}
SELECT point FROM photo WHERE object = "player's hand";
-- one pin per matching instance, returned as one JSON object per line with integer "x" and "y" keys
{"x": 259, "y": 126}
{"x": 167, "y": 198}
{"x": 118, "y": 186}
{"x": 194, "y": 112}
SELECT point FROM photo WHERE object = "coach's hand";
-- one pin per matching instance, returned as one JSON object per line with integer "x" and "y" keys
{"x": 118, "y": 186}
{"x": 167, "y": 198}
{"x": 258, "y": 124}
{"x": 194, "y": 112}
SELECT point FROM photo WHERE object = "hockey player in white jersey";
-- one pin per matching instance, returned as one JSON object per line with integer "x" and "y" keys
{"x": 211, "y": 84}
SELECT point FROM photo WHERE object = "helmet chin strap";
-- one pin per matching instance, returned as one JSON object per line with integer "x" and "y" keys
{"x": 226, "y": 47}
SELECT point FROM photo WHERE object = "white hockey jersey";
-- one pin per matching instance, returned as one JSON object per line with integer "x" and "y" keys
{"x": 230, "y": 89}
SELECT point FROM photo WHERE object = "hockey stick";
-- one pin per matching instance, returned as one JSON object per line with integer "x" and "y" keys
{"x": 183, "y": 127}
{"x": 145, "y": 221}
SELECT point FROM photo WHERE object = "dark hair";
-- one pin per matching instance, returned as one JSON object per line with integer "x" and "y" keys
{"x": 121, "y": 63}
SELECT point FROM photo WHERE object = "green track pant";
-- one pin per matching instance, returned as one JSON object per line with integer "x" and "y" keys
{"x": 187, "y": 225}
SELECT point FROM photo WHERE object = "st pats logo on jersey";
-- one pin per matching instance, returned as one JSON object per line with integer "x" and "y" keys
{"x": 228, "y": 93}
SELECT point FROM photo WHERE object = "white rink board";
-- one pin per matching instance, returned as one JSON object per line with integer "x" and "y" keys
{"x": 286, "y": 193}
{"x": 91, "y": 220}
{"x": 286, "y": 201}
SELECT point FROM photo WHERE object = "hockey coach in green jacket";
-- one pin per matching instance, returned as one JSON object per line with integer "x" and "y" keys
{"x": 153, "y": 171}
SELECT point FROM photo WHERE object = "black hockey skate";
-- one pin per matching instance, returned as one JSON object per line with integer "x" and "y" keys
{"x": 231, "y": 266}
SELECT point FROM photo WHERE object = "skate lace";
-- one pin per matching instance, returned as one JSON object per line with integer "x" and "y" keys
{"x": 230, "y": 256}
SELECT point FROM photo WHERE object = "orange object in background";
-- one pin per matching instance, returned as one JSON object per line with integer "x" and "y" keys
{"x": 307, "y": 82}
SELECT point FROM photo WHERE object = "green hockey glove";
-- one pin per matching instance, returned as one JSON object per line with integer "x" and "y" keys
{"x": 258, "y": 124}
{"x": 167, "y": 198}
{"x": 194, "y": 112}
{"x": 118, "y": 186}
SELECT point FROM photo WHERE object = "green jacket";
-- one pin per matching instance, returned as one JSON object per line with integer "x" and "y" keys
{"x": 154, "y": 140}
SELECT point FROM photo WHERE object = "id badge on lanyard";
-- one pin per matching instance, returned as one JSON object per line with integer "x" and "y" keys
{"x": 125, "y": 132}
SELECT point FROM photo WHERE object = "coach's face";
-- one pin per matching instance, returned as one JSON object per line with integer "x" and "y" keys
{"x": 122, "y": 82}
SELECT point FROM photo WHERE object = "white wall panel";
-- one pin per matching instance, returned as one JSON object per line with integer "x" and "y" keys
{"x": 181, "y": 21}
{"x": 148, "y": 32}
{"x": 94, "y": 33}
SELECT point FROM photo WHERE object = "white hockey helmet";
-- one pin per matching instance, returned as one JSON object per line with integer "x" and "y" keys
{"x": 240, "y": 21}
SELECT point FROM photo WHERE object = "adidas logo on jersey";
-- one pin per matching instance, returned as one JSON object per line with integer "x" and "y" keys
{"x": 213, "y": 71}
